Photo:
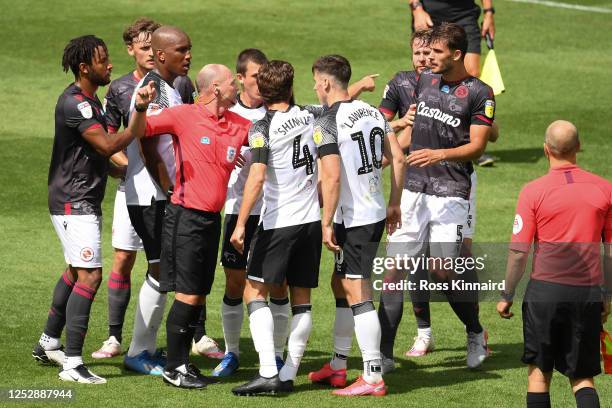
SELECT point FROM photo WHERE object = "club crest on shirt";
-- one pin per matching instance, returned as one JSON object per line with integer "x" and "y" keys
{"x": 461, "y": 91}
{"x": 231, "y": 154}
{"x": 85, "y": 109}
{"x": 205, "y": 140}
{"x": 489, "y": 109}
{"x": 518, "y": 224}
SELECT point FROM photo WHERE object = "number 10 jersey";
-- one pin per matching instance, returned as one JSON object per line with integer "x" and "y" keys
{"x": 356, "y": 131}
{"x": 283, "y": 141}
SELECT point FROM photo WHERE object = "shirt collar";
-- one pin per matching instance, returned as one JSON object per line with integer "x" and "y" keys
{"x": 565, "y": 167}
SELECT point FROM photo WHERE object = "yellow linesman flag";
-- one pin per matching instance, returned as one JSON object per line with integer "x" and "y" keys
{"x": 491, "y": 74}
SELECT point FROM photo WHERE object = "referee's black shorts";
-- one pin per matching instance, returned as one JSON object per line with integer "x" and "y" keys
{"x": 190, "y": 241}
{"x": 148, "y": 222}
{"x": 230, "y": 258}
{"x": 467, "y": 20}
{"x": 358, "y": 249}
{"x": 292, "y": 253}
{"x": 561, "y": 326}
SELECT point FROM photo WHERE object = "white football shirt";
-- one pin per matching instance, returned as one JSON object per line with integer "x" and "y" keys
{"x": 235, "y": 186}
{"x": 356, "y": 131}
{"x": 283, "y": 141}
{"x": 140, "y": 187}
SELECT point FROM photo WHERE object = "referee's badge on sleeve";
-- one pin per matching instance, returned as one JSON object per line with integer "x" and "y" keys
{"x": 518, "y": 224}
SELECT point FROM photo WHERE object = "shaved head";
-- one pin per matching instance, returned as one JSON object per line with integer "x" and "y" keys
{"x": 167, "y": 36}
{"x": 211, "y": 74}
{"x": 562, "y": 139}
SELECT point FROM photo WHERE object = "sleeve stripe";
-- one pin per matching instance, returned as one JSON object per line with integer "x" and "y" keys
{"x": 386, "y": 111}
{"x": 93, "y": 127}
{"x": 484, "y": 119}
{"x": 112, "y": 129}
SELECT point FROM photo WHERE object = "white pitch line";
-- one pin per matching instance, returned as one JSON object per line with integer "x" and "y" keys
{"x": 565, "y": 6}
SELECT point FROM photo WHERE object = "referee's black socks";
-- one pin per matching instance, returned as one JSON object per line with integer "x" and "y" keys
{"x": 587, "y": 398}
{"x": 180, "y": 326}
{"x": 538, "y": 400}
{"x": 200, "y": 328}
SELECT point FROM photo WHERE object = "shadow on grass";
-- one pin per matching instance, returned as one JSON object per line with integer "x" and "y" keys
{"x": 523, "y": 155}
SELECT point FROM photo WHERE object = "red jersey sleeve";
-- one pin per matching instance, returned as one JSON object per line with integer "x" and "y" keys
{"x": 607, "y": 232}
{"x": 160, "y": 122}
{"x": 524, "y": 227}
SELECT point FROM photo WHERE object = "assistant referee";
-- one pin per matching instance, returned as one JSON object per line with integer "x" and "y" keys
{"x": 207, "y": 138}
{"x": 566, "y": 214}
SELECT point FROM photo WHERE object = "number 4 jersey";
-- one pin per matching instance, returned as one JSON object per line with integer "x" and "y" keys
{"x": 283, "y": 141}
{"x": 355, "y": 131}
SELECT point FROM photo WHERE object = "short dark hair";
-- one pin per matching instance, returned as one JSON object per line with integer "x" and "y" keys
{"x": 422, "y": 36}
{"x": 81, "y": 50}
{"x": 275, "y": 81}
{"x": 451, "y": 34}
{"x": 142, "y": 25}
{"x": 249, "y": 55}
{"x": 334, "y": 65}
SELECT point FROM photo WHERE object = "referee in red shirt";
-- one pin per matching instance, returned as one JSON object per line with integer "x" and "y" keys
{"x": 566, "y": 214}
{"x": 207, "y": 138}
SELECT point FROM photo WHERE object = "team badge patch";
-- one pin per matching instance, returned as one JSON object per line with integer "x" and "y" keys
{"x": 518, "y": 224}
{"x": 317, "y": 135}
{"x": 489, "y": 109}
{"x": 205, "y": 140}
{"x": 87, "y": 254}
{"x": 445, "y": 89}
{"x": 461, "y": 91}
{"x": 231, "y": 154}
{"x": 85, "y": 109}
{"x": 258, "y": 140}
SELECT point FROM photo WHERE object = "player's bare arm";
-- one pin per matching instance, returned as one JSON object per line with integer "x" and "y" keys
{"x": 154, "y": 163}
{"x": 494, "y": 133}
{"x": 515, "y": 268}
{"x": 365, "y": 84}
{"x": 252, "y": 192}
{"x": 330, "y": 190}
{"x": 118, "y": 167}
{"x": 470, "y": 151}
{"x": 405, "y": 121}
{"x": 108, "y": 144}
{"x": 395, "y": 155}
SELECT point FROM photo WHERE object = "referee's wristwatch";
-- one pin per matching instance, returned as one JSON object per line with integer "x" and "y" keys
{"x": 488, "y": 10}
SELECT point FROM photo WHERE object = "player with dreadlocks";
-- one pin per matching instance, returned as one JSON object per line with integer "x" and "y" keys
{"x": 77, "y": 180}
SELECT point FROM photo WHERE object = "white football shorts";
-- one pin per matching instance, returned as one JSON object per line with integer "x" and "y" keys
{"x": 124, "y": 235}
{"x": 80, "y": 236}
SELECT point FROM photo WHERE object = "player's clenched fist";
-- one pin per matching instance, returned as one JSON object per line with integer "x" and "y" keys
{"x": 144, "y": 96}
{"x": 237, "y": 238}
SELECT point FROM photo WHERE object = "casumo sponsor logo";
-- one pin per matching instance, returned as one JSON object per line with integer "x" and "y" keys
{"x": 437, "y": 114}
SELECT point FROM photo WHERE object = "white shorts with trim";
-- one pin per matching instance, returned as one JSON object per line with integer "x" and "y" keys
{"x": 80, "y": 236}
{"x": 470, "y": 226}
{"x": 124, "y": 235}
{"x": 429, "y": 219}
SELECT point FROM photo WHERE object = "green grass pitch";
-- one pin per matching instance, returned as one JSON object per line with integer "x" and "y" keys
{"x": 555, "y": 64}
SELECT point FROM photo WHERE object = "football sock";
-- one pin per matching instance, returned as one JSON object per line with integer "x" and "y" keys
{"x": 343, "y": 334}
{"x": 390, "y": 311}
{"x": 232, "y": 314}
{"x": 200, "y": 329}
{"x": 180, "y": 325}
{"x": 57, "y": 313}
{"x": 368, "y": 333}
{"x": 77, "y": 318}
{"x": 49, "y": 343}
{"x": 420, "y": 300}
{"x": 301, "y": 325}
{"x": 426, "y": 332}
{"x": 149, "y": 315}
{"x": 587, "y": 398}
{"x": 72, "y": 362}
{"x": 538, "y": 400}
{"x": 422, "y": 314}
{"x": 280, "y": 309}
{"x": 465, "y": 302}
{"x": 119, "y": 291}
{"x": 261, "y": 324}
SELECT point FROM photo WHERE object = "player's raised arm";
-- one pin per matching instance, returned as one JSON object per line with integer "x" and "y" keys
{"x": 108, "y": 144}
{"x": 365, "y": 84}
